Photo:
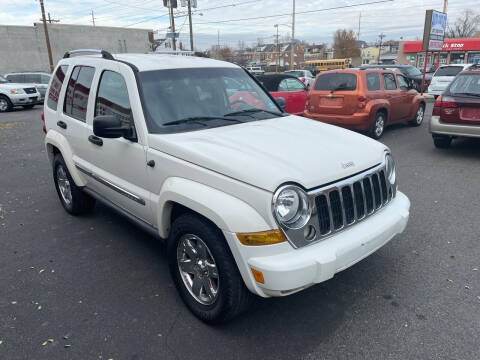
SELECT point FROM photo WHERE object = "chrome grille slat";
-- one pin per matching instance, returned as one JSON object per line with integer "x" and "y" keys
{"x": 366, "y": 193}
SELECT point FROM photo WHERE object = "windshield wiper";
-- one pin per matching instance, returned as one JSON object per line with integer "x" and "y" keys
{"x": 254, "y": 110}
{"x": 199, "y": 119}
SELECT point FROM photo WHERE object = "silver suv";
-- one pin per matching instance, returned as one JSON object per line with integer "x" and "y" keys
{"x": 13, "y": 94}
{"x": 38, "y": 79}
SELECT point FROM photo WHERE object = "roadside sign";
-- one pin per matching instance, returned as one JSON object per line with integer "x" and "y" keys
{"x": 172, "y": 35}
{"x": 412, "y": 58}
{"x": 434, "y": 30}
{"x": 170, "y": 3}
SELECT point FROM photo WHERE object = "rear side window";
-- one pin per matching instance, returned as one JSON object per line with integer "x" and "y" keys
{"x": 32, "y": 78}
{"x": 76, "y": 98}
{"x": 389, "y": 82}
{"x": 294, "y": 85}
{"x": 373, "y": 81}
{"x": 56, "y": 86}
{"x": 448, "y": 71}
{"x": 112, "y": 98}
{"x": 336, "y": 82}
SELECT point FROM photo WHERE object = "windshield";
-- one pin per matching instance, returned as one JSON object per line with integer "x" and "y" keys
{"x": 178, "y": 100}
{"x": 412, "y": 71}
{"x": 468, "y": 84}
{"x": 448, "y": 71}
{"x": 3, "y": 80}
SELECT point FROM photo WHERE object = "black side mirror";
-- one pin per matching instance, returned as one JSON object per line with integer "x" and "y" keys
{"x": 281, "y": 102}
{"x": 110, "y": 127}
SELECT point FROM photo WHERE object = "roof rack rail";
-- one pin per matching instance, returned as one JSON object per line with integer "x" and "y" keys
{"x": 105, "y": 54}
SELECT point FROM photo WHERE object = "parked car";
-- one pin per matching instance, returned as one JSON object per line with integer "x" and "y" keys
{"x": 248, "y": 200}
{"x": 365, "y": 100}
{"x": 287, "y": 87}
{"x": 304, "y": 76}
{"x": 13, "y": 94}
{"x": 412, "y": 74}
{"x": 443, "y": 77}
{"x": 38, "y": 79}
{"x": 255, "y": 70}
{"x": 313, "y": 70}
{"x": 456, "y": 113}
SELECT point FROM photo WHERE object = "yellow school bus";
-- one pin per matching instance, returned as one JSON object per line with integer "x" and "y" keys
{"x": 323, "y": 65}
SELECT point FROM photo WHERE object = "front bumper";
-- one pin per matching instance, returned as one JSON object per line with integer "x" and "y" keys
{"x": 441, "y": 128}
{"x": 287, "y": 270}
{"x": 24, "y": 99}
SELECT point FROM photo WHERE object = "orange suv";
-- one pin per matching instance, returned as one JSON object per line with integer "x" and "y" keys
{"x": 365, "y": 100}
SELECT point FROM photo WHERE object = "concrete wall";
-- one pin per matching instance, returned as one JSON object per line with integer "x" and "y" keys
{"x": 23, "y": 48}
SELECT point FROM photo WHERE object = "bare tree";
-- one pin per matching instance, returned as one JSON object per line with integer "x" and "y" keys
{"x": 345, "y": 44}
{"x": 465, "y": 26}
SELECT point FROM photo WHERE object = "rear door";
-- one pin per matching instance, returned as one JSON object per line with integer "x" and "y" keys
{"x": 394, "y": 96}
{"x": 334, "y": 93}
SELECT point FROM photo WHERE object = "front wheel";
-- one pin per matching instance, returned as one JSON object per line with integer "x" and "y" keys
{"x": 419, "y": 115}
{"x": 204, "y": 271}
{"x": 5, "y": 104}
{"x": 378, "y": 125}
{"x": 73, "y": 199}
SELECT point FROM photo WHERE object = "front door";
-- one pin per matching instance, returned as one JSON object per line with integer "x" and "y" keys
{"x": 118, "y": 166}
{"x": 407, "y": 96}
{"x": 392, "y": 93}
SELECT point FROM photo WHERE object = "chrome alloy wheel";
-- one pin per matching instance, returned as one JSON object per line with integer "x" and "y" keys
{"x": 3, "y": 104}
{"x": 64, "y": 185}
{"x": 379, "y": 125}
{"x": 420, "y": 115}
{"x": 198, "y": 269}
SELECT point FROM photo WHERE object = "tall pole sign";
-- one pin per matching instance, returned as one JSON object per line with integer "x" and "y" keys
{"x": 433, "y": 34}
{"x": 171, "y": 4}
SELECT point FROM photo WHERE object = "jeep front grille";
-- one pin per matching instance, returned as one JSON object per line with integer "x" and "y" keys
{"x": 342, "y": 205}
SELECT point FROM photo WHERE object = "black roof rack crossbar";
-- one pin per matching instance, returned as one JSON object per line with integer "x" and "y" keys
{"x": 105, "y": 54}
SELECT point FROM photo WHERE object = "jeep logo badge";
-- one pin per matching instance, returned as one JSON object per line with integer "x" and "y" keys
{"x": 346, "y": 165}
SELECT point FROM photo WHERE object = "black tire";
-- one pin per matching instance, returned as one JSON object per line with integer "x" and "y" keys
{"x": 374, "y": 130}
{"x": 5, "y": 104}
{"x": 80, "y": 202}
{"x": 28, "y": 106}
{"x": 232, "y": 297}
{"x": 442, "y": 141}
{"x": 418, "y": 120}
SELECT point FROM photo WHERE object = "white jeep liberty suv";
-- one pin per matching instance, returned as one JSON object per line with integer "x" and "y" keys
{"x": 247, "y": 198}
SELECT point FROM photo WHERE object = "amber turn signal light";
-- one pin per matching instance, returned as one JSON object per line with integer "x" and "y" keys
{"x": 261, "y": 238}
{"x": 258, "y": 276}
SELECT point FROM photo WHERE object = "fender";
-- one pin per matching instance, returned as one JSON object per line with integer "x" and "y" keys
{"x": 414, "y": 106}
{"x": 56, "y": 139}
{"x": 227, "y": 212}
{"x": 375, "y": 104}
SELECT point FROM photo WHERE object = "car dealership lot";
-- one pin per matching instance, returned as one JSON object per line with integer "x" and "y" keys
{"x": 102, "y": 286}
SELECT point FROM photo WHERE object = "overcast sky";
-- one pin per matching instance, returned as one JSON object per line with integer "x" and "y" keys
{"x": 396, "y": 19}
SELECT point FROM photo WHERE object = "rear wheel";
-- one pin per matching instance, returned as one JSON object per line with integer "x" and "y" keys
{"x": 378, "y": 125}
{"x": 73, "y": 199}
{"x": 442, "y": 141}
{"x": 204, "y": 271}
{"x": 5, "y": 104}
{"x": 419, "y": 115}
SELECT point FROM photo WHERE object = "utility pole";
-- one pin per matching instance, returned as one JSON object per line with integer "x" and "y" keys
{"x": 278, "y": 50}
{"x": 172, "y": 25}
{"x": 47, "y": 38}
{"x": 381, "y": 36}
{"x": 93, "y": 18}
{"x": 445, "y": 3}
{"x": 218, "y": 45}
{"x": 293, "y": 37}
{"x": 359, "y": 23}
{"x": 190, "y": 21}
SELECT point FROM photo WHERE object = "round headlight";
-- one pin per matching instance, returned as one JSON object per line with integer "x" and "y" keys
{"x": 291, "y": 207}
{"x": 390, "y": 168}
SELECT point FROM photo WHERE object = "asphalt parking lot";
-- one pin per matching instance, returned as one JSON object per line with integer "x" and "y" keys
{"x": 96, "y": 287}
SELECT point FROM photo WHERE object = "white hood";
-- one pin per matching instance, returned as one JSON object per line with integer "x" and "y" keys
{"x": 268, "y": 153}
{"x": 10, "y": 85}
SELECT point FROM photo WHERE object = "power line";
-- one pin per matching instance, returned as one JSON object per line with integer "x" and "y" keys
{"x": 297, "y": 13}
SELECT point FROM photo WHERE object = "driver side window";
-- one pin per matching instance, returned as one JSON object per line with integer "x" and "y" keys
{"x": 402, "y": 82}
